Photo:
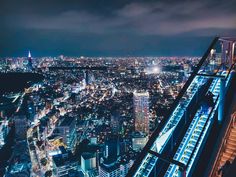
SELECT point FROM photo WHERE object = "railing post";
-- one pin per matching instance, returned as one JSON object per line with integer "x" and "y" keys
{"x": 182, "y": 172}
{"x": 185, "y": 117}
{"x": 222, "y": 100}
{"x": 233, "y": 117}
{"x": 172, "y": 142}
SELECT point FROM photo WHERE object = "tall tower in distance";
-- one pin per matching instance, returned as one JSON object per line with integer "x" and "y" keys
{"x": 141, "y": 111}
{"x": 30, "y": 66}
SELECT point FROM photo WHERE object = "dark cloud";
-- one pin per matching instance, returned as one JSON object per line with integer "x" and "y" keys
{"x": 126, "y": 22}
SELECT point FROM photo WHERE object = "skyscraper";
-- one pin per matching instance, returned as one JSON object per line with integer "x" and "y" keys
{"x": 141, "y": 111}
{"x": 88, "y": 161}
{"x": 67, "y": 130}
{"x": 109, "y": 165}
{"x": 111, "y": 150}
{"x": 115, "y": 122}
{"x": 20, "y": 126}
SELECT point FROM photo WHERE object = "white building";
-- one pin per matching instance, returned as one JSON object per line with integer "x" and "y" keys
{"x": 88, "y": 161}
{"x": 118, "y": 169}
{"x": 141, "y": 111}
{"x": 139, "y": 140}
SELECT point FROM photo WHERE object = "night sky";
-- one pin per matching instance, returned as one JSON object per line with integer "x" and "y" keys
{"x": 113, "y": 28}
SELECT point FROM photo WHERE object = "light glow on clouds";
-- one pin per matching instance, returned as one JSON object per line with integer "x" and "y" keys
{"x": 156, "y": 18}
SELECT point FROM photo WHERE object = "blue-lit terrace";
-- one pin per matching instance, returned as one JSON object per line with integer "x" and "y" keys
{"x": 175, "y": 146}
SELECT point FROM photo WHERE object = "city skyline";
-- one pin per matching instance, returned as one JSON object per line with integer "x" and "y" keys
{"x": 86, "y": 112}
{"x": 121, "y": 88}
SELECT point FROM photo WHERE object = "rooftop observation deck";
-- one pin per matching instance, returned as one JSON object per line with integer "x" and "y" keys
{"x": 175, "y": 147}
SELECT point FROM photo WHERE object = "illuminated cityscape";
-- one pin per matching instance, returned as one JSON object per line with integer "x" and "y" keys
{"x": 86, "y": 116}
{"x": 131, "y": 88}
{"x": 95, "y": 113}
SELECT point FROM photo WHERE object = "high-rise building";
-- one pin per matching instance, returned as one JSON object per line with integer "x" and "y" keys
{"x": 89, "y": 77}
{"x": 141, "y": 111}
{"x": 30, "y": 66}
{"x": 88, "y": 161}
{"x": 125, "y": 165}
{"x": 109, "y": 170}
{"x": 139, "y": 140}
{"x": 4, "y": 130}
{"x": 86, "y": 77}
{"x": 67, "y": 130}
{"x": 111, "y": 150}
{"x": 20, "y": 126}
{"x": 64, "y": 164}
{"x": 113, "y": 164}
{"x": 115, "y": 122}
{"x": 118, "y": 169}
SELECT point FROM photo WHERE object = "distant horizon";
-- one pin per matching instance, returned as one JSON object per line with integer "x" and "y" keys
{"x": 80, "y": 56}
{"x": 165, "y": 46}
{"x": 184, "y": 50}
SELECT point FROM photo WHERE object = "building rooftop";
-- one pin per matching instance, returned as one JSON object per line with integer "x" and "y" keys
{"x": 63, "y": 159}
{"x": 109, "y": 168}
{"x": 17, "y": 168}
{"x": 67, "y": 121}
{"x": 88, "y": 155}
{"x": 143, "y": 93}
{"x": 139, "y": 135}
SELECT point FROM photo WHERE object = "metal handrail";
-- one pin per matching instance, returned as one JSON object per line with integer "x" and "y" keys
{"x": 232, "y": 154}
{"x": 156, "y": 132}
{"x": 223, "y": 142}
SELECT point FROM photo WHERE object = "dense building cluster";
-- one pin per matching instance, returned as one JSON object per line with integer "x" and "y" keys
{"x": 87, "y": 116}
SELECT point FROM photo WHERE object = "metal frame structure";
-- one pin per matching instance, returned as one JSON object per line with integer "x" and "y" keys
{"x": 157, "y": 131}
{"x": 218, "y": 85}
